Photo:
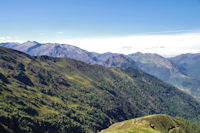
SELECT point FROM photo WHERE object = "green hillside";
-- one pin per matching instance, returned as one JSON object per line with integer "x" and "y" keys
{"x": 47, "y": 94}
{"x": 151, "y": 124}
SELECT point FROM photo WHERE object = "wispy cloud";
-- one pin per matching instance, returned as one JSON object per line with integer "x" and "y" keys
{"x": 2, "y": 38}
{"x": 60, "y": 32}
{"x": 41, "y": 34}
{"x": 10, "y": 39}
{"x": 163, "y": 44}
{"x": 169, "y": 32}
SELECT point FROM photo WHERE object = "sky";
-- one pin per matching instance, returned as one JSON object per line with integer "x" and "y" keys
{"x": 166, "y": 27}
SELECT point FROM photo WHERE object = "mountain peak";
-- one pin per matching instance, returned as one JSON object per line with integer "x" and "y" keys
{"x": 31, "y": 41}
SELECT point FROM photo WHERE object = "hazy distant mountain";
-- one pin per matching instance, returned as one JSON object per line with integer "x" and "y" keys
{"x": 189, "y": 64}
{"x": 101, "y": 58}
{"x": 120, "y": 60}
{"x": 168, "y": 71}
{"x": 157, "y": 66}
{"x": 52, "y": 49}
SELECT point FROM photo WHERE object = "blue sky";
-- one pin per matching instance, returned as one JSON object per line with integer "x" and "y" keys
{"x": 56, "y": 20}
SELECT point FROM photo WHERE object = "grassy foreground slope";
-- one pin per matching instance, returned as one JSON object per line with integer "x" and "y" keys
{"x": 150, "y": 124}
{"x": 46, "y": 94}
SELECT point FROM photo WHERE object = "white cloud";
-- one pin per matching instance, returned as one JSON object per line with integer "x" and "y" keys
{"x": 2, "y": 38}
{"x": 163, "y": 44}
{"x": 10, "y": 39}
{"x": 60, "y": 33}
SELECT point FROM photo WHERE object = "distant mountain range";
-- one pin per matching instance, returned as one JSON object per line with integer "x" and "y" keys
{"x": 183, "y": 71}
{"x": 189, "y": 64}
{"x": 50, "y": 94}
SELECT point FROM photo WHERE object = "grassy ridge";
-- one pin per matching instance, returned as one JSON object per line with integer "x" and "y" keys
{"x": 151, "y": 124}
{"x": 46, "y": 94}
